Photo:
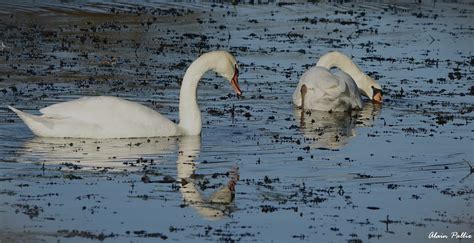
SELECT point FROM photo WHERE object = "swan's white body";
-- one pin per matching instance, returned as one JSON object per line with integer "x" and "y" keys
{"x": 112, "y": 117}
{"x": 338, "y": 91}
{"x": 99, "y": 117}
{"x": 328, "y": 91}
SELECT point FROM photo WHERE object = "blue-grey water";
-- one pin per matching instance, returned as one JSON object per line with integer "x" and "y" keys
{"x": 392, "y": 172}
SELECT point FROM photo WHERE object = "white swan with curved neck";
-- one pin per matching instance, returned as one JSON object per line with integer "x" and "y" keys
{"x": 112, "y": 117}
{"x": 320, "y": 89}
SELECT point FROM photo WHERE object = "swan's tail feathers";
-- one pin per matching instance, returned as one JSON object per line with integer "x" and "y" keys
{"x": 37, "y": 124}
{"x": 24, "y": 116}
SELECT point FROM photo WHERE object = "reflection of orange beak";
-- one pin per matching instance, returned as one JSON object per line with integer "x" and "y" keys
{"x": 377, "y": 98}
{"x": 231, "y": 185}
{"x": 235, "y": 83}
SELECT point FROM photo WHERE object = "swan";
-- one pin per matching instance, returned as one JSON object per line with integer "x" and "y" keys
{"x": 103, "y": 117}
{"x": 320, "y": 89}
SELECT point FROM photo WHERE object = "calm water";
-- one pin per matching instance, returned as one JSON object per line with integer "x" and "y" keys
{"x": 386, "y": 173}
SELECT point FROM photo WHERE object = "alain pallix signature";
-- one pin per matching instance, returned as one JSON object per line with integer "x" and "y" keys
{"x": 453, "y": 235}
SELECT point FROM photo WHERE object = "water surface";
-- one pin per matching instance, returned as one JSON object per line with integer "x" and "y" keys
{"x": 389, "y": 173}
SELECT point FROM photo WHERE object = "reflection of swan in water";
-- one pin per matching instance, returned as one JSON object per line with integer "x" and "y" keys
{"x": 111, "y": 153}
{"x": 334, "y": 130}
{"x": 219, "y": 202}
{"x": 92, "y": 153}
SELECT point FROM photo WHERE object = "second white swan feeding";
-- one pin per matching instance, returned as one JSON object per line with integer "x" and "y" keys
{"x": 320, "y": 89}
{"x": 112, "y": 117}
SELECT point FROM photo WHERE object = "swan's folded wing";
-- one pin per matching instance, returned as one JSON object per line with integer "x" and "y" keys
{"x": 99, "y": 108}
{"x": 113, "y": 116}
{"x": 328, "y": 84}
{"x": 351, "y": 91}
{"x": 330, "y": 91}
{"x": 87, "y": 107}
{"x": 322, "y": 88}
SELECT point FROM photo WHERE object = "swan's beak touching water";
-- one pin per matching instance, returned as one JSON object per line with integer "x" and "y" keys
{"x": 235, "y": 82}
{"x": 377, "y": 97}
{"x": 303, "y": 91}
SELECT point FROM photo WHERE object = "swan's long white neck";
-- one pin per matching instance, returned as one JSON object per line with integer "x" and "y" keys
{"x": 189, "y": 113}
{"x": 343, "y": 62}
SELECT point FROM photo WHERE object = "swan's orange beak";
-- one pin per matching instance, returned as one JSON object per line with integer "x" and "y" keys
{"x": 235, "y": 82}
{"x": 377, "y": 98}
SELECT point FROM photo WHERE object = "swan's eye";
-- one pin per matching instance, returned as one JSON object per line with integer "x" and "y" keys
{"x": 376, "y": 91}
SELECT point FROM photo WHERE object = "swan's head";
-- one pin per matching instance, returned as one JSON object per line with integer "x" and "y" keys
{"x": 227, "y": 67}
{"x": 373, "y": 90}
